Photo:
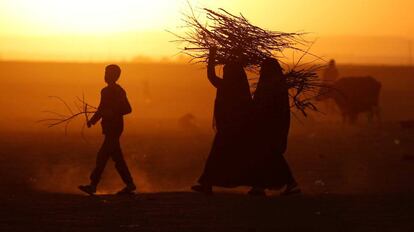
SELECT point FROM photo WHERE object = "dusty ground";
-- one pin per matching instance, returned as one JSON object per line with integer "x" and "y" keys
{"x": 183, "y": 211}
{"x": 357, "y": 180}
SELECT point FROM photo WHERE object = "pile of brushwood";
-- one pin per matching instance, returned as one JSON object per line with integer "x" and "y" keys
{"x": 235, "y": 38}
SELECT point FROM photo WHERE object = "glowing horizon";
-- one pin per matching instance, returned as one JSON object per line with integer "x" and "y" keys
{"x": 107, "y": 30}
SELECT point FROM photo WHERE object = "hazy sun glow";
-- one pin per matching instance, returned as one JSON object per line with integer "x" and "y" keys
{"x": 88, "y": 16}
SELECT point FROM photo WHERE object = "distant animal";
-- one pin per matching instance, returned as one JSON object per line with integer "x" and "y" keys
{"x": 354, "y": 95}
{"x": 187, "y": 121}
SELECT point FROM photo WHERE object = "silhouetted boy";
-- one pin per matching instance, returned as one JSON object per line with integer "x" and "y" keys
{"x": 113, "y": 106}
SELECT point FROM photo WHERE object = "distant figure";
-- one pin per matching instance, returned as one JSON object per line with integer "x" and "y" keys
{"x": 331, "y": 74}
{"x": 113, "y": 106}
{"x": 187, "y": 122}
{"x": 354, "y": 95}
{"x": 272, "y": 122}
{"x": 227, "y": 164}
{"x": 146, "y": 92}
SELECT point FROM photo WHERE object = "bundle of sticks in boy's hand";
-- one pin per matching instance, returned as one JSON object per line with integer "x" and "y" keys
{"x": 235, "y": 38}
{"x": 80, "y": 109}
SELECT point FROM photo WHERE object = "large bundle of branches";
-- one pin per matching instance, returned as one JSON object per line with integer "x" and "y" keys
{"x": 234, "y": 37}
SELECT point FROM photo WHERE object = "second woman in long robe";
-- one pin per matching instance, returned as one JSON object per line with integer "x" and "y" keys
{"x": 271, "y": 120}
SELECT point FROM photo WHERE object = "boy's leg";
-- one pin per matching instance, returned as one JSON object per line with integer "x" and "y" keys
{"x": 101, "y": 160}
{"x": 120, "y": 163}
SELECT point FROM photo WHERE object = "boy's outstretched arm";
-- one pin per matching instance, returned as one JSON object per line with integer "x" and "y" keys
{"x": 126, "y": 107}
{"x": 98, "y": 114}
{"x": 95, "y": 118}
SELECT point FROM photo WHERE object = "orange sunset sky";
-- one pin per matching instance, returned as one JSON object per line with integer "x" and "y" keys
{"x": 352, "y": 31}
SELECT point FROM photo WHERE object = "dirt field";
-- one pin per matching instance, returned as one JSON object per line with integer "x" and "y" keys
{"x": 185, "y": 211}
{"x": 354, "y": 178}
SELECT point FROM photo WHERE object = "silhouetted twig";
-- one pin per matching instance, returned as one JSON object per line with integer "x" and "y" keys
{"x": 303, "y": 81}
{"x": 66, "y": 118}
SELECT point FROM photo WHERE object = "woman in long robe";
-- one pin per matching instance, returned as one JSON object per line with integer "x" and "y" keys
{"x": 271, "y": 119}
{"x": 227, "y": 164}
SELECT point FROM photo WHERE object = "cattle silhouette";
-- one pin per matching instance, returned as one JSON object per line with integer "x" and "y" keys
{"x": 353, "y": 96}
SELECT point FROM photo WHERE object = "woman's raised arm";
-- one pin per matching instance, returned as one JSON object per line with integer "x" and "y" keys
{"x": 211, "y": 71}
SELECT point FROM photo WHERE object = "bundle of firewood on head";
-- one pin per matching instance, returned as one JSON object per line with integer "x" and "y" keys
{"x": 236, "y": 39}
